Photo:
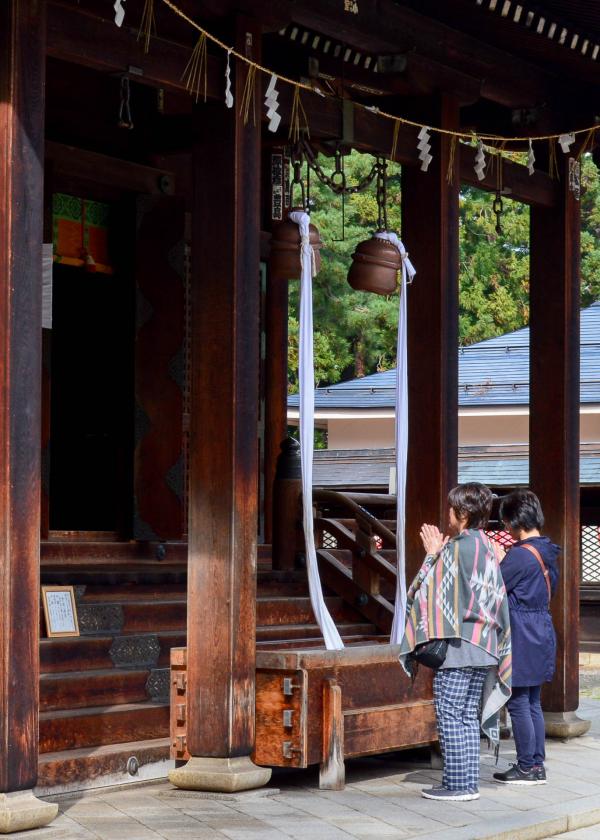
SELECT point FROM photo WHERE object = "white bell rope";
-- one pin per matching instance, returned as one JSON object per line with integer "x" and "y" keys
{"x": 306, "y": 378}
{"x": 408, "y": 272}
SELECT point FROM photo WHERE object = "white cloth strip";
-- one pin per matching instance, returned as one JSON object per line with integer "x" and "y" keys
{"x": 306, "y": 378}
{"x": 408, "y": 272}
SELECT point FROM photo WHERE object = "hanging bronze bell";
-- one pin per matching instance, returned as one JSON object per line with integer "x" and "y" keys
{"x": 375, "y": 266}
{"x": 284, "y": 262}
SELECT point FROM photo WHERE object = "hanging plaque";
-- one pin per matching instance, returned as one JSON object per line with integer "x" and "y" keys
{"x": 60, "y": 611}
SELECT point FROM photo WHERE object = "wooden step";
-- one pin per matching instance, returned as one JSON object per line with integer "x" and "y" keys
{"x": 281, "y": 611}
{"x": 80, "y": 768}
{"x": 282, "y": 583}
{"x": 120, "y": 618}
{"x": 93, "y": 652}
{"x": 92, "y": 688}
{"x": 149, "y": 616}
{"x": 77, "y": 728}
{"x": 127, "y": 592}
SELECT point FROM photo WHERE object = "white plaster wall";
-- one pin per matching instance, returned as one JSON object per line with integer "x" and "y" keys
{"x": 590, "y": 428}
{"x": 481, "y": 430}
{"x": 375, "y": 433}
{"x": 489, "y": 430}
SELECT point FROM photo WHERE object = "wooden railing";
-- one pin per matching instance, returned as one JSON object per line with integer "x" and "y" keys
{"x": 357, "y": 550}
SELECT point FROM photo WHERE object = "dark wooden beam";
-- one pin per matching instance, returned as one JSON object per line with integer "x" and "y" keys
{"x": 554, "y": 429}
{"x": 93, "y": 41}
{"x": 223, "y": 457}
{"x": 21, "y": 235}
{"x": 82, "y": 38}
{"x": 89, "y": 166}
{"x": 389, "y": 27}
{"x": 430, "y": 234}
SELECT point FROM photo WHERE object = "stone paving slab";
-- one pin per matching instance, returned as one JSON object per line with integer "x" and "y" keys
{"x": 381, "y": 800}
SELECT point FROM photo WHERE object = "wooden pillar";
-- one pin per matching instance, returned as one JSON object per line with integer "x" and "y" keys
{"x": 430, "y": 235}
{"x": 223, "y": 489}
{"x": 554, "y": 429}
{"x": 277, "y": 205}
{"x": 22, "y": 47}
{"x": 276, "y": 382}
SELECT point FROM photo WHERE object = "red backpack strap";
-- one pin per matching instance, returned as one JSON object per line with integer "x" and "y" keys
{"x": 545, "y": 572}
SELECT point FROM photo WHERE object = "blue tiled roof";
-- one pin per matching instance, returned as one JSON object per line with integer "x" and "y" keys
{"x": 491, "y": 372}
{"x": 373, "y": 472}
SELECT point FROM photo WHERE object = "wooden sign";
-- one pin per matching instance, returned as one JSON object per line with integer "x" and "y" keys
{"x": 60, "y": 611}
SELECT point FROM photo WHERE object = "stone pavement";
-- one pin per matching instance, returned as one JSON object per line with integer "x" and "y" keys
{"x": 381, "y": 800}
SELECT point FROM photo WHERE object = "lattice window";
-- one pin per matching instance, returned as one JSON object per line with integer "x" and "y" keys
{"x": 501, "y": 537}
{"x": 590, "y": 554}
{"x": 328, "y": 540}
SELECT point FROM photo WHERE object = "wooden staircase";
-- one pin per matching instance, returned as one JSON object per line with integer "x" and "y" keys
{"x": 318, "y": 706}
{"x": 104, "y": 697}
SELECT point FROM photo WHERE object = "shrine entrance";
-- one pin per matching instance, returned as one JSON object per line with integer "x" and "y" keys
{"x": 91, "y": 406}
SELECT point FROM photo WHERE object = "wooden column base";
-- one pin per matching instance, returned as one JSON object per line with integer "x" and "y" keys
{"x": 332, "y": 775}
{"x": 21, "y": 810}
{"x": 565, "y": 725}
{"x": 223, "y": 775}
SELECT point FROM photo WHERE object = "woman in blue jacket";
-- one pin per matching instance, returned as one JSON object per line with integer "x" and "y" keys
{"x": 530, "y": 573}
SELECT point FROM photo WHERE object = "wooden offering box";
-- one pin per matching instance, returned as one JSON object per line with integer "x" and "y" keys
{"x": 319, "y": 707}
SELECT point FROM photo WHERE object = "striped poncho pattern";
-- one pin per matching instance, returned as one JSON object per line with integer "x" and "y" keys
{"x": 460, "y": 594}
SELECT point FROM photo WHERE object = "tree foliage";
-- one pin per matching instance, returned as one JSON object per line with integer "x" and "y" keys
{"x": 355, "y": 332}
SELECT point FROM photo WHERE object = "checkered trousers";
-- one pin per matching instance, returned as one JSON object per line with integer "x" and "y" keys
{"x": 457, "y": 695}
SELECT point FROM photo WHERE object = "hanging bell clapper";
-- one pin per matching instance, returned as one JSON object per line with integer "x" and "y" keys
{"x": 498, "y": 209}
{"x": 125, "y": 118}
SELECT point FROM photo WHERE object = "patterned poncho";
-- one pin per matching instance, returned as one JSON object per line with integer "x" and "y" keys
{"x": 460, "y": 594}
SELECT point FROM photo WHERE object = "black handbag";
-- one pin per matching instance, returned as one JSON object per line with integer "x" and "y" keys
{"x": 431, "y": 654}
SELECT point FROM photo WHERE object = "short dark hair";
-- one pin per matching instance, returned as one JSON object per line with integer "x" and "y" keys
{"x": 521, "y": 510}
{"x": 473, "y": 502}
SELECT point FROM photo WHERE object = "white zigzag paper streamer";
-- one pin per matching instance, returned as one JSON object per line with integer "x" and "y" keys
{"x": 228, "y": 93}
{"x": 424, "y": 146}
{"x": 530, "y": 159}
{"x": 566, "y": 141}
{"x": 480, "y": 162}
{"x": 272, "y": 105}
{"x": 119, "y": 12}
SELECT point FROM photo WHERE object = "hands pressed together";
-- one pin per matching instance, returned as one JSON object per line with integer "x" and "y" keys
{"x": 432, "y": 538}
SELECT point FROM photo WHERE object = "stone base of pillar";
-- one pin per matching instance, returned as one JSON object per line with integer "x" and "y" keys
{"x": 21, "y": 810}
{"x": 223, "y": 775}
{"x": 565, "y": 725}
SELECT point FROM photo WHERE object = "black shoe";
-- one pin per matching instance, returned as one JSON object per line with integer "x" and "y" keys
{"x": 540, "y": 774}
{"x": 515, "y": 776}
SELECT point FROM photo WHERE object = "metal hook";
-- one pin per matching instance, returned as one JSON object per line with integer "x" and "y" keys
{"x": 125, "y": 119}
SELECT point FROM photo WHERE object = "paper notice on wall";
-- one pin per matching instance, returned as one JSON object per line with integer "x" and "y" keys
{"x": 47, "y": 286}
